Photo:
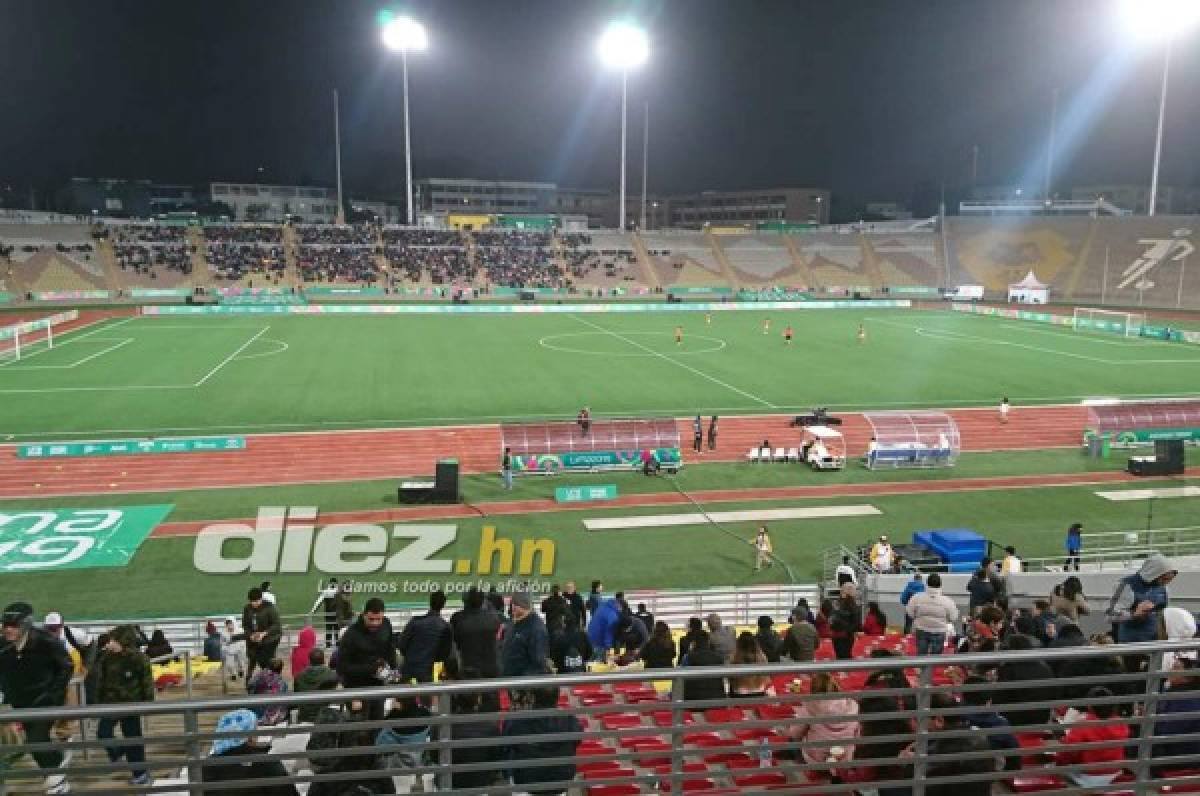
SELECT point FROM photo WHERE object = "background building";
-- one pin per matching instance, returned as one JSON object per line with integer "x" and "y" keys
{"x": 717, "y": 208}
{"x": 252, "y": 202}
{"x": 450, "y": 195}
{"x": 1172, "y": 200}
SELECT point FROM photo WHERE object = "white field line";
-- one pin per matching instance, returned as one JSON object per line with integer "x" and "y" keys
{"x": 1150, "y": 494}
{"x": 230, "y": 358}
{"x": 668, "y": 520}
{"x": 666, "y": 358}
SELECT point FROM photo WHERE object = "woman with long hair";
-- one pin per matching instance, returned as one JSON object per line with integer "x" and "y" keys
{"x": 747, "y": 651}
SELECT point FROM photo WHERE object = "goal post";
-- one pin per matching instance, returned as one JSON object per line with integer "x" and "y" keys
{"x": 24, "y": 339}
{"x": 1092, "y": 319}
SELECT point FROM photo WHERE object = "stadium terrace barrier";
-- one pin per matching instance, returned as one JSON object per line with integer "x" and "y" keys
{"x": 636, "y": 731}
{"x": 160, "y": 292}
{"x": 486, "y": 309}
{"x": 5, "y": 298}
{"x": 72, "y": 295}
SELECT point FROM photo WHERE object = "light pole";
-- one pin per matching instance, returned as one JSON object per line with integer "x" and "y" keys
{"x": 623, "y": 46}
{"x": 405, "y": 35}
{"x": 1152, "y": 21}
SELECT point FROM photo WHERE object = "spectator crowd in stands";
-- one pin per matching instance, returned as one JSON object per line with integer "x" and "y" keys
{"x": 146, "y": 248}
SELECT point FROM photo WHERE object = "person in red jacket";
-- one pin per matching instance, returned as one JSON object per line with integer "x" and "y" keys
{"x": 821, "y": 620}
{"x": 1090, "y": 731}
{"x": 875, "y": 622}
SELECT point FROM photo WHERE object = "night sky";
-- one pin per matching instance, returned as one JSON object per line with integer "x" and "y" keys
{"x": 872, "y": 98}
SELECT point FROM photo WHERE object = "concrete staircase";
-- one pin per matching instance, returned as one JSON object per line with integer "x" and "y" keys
{"x": 291, "y": 248}
{"x": 649, "y": 275}
{"x": 727, "y": 271}
{"x": 799, "y": 262}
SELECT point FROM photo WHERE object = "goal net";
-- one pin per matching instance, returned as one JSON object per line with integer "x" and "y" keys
{"x": 1126, "y": 324}
{"x": 25, "y": 339}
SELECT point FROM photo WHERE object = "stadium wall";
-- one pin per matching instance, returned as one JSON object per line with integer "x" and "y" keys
{"x": 475, "y": 309}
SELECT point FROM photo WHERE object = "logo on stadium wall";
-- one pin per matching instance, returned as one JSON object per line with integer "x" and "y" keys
{"x": 1158, "y": 251}
{"x": 284, "y": 540}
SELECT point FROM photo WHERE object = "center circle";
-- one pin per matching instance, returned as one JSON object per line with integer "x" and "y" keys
{"x": 553, "y": 343}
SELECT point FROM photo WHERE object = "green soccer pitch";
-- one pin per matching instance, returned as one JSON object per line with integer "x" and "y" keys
{"x": 247, "y": 373}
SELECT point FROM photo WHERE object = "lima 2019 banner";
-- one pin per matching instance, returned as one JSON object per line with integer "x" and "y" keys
{"x": 52, "y": 539}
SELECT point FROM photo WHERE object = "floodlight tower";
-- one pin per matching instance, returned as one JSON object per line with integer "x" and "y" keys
{"x": 404, "y": 35}
{"x": 623, "y": 46}
{"x": 1159, "y": 21}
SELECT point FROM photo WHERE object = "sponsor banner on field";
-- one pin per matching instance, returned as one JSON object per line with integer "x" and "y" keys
{"x": 1144, "y": 436}
{"x": 51, "y": 539}
{"x": 583, "y": 494}
{"x": 518, "y": 309}
{"x": 71, "y": 295}
{"x": 160, "y": 292}
{"x": 345, "y": 291}
{"x": 591, "y": 460}
{"x": 5, "y": 298}
{"x": 119, "y": 447}
{"x": 913, "y": 290}
{"x": 700, "y": 290}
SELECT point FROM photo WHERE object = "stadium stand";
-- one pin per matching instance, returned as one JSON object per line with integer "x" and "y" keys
{"x": 835, "y": 258}
{"x": 683, "y": 258}
{"x": 234, "y": 253}
{"x": 598, "y": 261}
{"x": 427, "y": 257}
{"x": 759, "y": 260}
{"x": 517, "y": 259}
{"x": 908, "y": 259}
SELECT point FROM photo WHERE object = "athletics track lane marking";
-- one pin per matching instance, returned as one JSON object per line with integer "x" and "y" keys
{"x": 683, "y": 365}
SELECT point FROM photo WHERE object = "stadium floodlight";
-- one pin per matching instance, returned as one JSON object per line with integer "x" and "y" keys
{"x": 404, "y": 35}
{"x": 623, "y": 46}
{"x": 1151, "y": 21}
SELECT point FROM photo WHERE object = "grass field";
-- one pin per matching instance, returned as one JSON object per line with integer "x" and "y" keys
{"x": 161, "y": 375}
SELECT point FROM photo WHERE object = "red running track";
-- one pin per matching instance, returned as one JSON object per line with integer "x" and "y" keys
{"x": 296, "y": 458}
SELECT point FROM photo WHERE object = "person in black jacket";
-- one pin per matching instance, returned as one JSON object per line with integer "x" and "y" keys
{"x": 981, "y": 590}
{"x": 571, "y": 649}
{"x": 34, "y": 671}
{"x": 366, "y": 652}
{"x": 482, "y": 729}
{"x": 701, "y": 653}
{"x": 475, "y": 629}
{"x": 554, "y": 606}
{"x": 647, "y": 618}
{"x": 563, "y": 751}
{"x": 659, "y": 651}
{"x": 575, "y": 603}
{"x": 593, "y": 600}
{"x": 425, "y": 640}
{"x": 695, "y": 629}
{"x": 526, "y": 643}
{"x": 768, "y": 640}
{"x": 223, "y": 765}
{"x": 1010, "y": 695}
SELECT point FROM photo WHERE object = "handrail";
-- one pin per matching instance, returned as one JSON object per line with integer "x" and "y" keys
{"x": 921, "y": 702}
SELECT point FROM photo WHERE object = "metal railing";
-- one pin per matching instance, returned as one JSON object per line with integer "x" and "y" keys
{"x": 910, "y": 732}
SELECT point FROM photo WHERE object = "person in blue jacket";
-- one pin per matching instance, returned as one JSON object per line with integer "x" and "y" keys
{"x": 602, "y": 628}
{"x": 913, "y": 587}
{"x": 1139, "y": 600}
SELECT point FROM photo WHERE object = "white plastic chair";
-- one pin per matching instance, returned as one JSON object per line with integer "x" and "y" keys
{"x": 793, "y": 455}
{"x": 752, "y": 456}
{"x": 781, "y": 454}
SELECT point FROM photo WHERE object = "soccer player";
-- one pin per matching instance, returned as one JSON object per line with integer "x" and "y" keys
{"x": 708, "y": 319}
{"x": 862, "y": 334}
{"x": 678, "y": 335}
{"x": 766, "y": 325}
{"x": 1005, "y": 406}
{"x": 787, "y": 334}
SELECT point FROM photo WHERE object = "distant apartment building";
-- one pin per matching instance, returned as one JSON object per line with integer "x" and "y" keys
{"x": 253, "y": 202}
{"x": 740, "y": 208}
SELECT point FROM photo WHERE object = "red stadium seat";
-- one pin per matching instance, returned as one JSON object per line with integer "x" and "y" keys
{"x": 608, "y": 773}
{"x": 627, "y": 789}
{"x": 761, "y": 779}
{"x": 1035, "y": 783}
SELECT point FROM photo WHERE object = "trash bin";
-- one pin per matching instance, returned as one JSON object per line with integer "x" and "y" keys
{"x": 1094, "y": 444}
{"x": 1106, "y": 446}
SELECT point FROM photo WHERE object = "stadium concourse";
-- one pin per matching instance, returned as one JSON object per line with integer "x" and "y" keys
{"x": 308, "y": 457}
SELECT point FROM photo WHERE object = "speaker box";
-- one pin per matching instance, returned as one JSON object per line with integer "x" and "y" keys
{"x": 1169, "y": 454}
{"x": 446, "y": 481}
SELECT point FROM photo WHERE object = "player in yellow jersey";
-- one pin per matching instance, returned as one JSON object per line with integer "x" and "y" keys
{"x": 766, "y": 325}
{"x": 678, "y": 335}
{"x": 862, "y": 334}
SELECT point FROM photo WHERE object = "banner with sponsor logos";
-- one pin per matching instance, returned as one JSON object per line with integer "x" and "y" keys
{"x": 160, "y": 292}
{"x": 71, "y": 295}
{"x": 681, "y": 290}
{"x": 51, "y": 539}
{"x": 345, "y": 291}
{"x": 583, "y": 494}
{"x": 517, "y": 309}
{"x": 119, "y": 447}
{"x": 5, "y": 298}
{"x": 591, "y": 460}
{"x": 913, "y": 290}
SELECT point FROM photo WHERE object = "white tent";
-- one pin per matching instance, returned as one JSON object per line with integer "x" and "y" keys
{"x": 1029, "y": 291}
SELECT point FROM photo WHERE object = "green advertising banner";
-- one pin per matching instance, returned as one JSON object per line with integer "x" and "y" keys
{"x": 5, "y": 298}
{"x": 709, "y": 291}
{"x": 1146, "y": 436}
{"x": 49, "y": 539}
{"x": 160, "y": 292}
{"x": 591, "y": 460}
{"x": 582, "y": 494}
{"x": 131, "y": 446}
{"x": 262, "y": 299}
{"x": 345, "y": 291}
{"x": 384, "y": 308}
{"x": 913, "y": 290}
{"x": 71, "y": 295}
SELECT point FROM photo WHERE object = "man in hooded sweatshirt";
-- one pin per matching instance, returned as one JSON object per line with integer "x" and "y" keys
{"x": 1139, "y": 600}
{"x": 125, "y": 676}
{"x": 34, "y": 671}
{"x": 306, "y": 642}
